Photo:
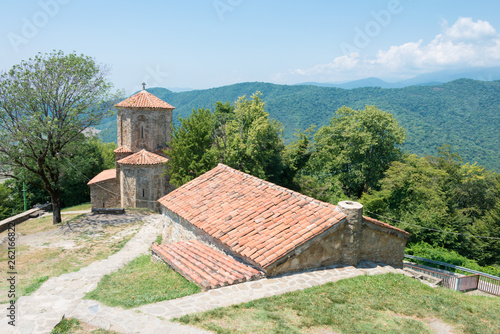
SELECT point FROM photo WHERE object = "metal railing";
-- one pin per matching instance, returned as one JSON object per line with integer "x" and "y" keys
{"x": 444, "y": 264}
{"x": 480, "y": 281}
{"x": 489, "y": 285}
{"x": 447, "y": 281}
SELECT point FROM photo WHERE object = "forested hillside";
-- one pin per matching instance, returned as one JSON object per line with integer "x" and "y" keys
{"x": 463, "y": 113}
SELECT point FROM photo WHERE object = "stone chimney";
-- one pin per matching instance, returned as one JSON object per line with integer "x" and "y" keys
{"x": 352, "y": 235}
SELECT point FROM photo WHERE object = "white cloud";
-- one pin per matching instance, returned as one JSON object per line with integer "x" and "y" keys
{"x": 466, "y": 43}
{"x": 466, "y": 29}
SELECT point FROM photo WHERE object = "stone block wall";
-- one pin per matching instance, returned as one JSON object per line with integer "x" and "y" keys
{"x": 176, "y": 228}
{"x": 318, "y": 253}
{"x": 144, "y": 129}
{"x": 379, "y": 246}
{"x": 105, "y": 194}
{"x": 143, "y": 185}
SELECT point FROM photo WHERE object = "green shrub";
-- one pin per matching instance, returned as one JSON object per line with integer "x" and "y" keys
{"x": 441, "y": 254}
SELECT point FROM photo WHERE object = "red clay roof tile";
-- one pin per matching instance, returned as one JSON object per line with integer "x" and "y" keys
{"x": 253, "y": 206}
{"x": 144, "y": 99}
{"x": 203, "y": 265}
{"x": 123, "y": 149}
{"x": 105, "y": 175}
{"x": 143, "y": 157}
{"x": 379, "y": 223}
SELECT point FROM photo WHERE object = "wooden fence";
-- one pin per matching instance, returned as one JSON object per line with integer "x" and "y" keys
{"x": 480, "y": 281}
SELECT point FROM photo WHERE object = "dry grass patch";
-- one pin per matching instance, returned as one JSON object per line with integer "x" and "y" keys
{"x": 45, "y": 250}
{"x": 42, "y": 224}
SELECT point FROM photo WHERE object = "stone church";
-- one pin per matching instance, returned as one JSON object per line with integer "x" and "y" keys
{"x": 139, "y": 180}
{"x": 226, "y": 227}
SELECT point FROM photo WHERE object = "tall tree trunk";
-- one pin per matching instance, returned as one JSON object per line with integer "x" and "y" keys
{"x": 56, "y": 207}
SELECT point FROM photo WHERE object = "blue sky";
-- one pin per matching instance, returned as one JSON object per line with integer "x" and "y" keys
{"x": 210, "y": 43}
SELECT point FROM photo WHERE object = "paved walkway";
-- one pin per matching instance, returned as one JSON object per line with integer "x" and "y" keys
{"x": 61, "y": 296}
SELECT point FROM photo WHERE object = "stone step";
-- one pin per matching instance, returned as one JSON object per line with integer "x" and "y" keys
{"x": 423, "y": 277}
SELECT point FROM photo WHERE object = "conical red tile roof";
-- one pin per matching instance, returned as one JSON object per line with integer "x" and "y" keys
{"x": 105, "y": 175}
{"x": 143, "y": 157}
{"x": 123, "y": 149}
{"x": 144, "y": 99}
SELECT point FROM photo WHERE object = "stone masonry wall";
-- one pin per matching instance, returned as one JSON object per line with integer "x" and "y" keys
{"x": 325, "y": 252}
{"x": 105, "y": 194}
{"x": 377, "y": 246}
{"x": 142, "y": 186}
{"x": 176, "y": 228}
{"x": 143, "y": 129}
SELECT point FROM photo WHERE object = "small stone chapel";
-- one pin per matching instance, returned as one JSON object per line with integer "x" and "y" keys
{"x": 225, "y": 226}
{"x": 143, "y": 130}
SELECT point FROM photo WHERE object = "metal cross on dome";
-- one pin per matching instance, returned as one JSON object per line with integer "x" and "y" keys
{"x": 143, "y": 86}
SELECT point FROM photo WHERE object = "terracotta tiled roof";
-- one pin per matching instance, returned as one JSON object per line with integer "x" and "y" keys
{"x": 123, "y": 149}
{"x": 105, "y": 175}
{"x": 203, "y": 265}
{"x": 143, "y": 157}
{"x": 258, "y": 220}
{"x": 379, "y": 223}
{"x": 144, "y": 99}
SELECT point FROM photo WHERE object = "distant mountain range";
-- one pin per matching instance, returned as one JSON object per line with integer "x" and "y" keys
{"x": 428, "y": 79}
{"x": 463, "y": 113}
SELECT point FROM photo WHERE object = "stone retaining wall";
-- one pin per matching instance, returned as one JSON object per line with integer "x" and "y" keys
{"x": 14, "y": 220}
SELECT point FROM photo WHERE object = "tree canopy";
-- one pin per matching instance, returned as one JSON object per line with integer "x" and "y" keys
{"x": 357, "y": 147}
{"x": 241, "y": 136}
{"x": 462, "y": 113}
{"x": 46, "y": 104}
{"x": 440, "y": 193}
{"x": 192, "y": 151}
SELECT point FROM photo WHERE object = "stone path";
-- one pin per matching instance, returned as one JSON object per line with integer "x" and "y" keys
{"x": 61, "y": 296}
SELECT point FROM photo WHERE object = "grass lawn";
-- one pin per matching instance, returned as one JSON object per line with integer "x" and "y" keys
{"x": 84, "y": 206}
{"x": 141, "y": 282}
{"x": 388, "y": 303}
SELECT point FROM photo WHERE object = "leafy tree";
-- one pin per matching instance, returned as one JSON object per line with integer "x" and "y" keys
{"x": 46, "y": 103}
{"x": 254, "y": 142}
{"x": 224, "y": 113}
{"x": 241, "y": 136}
{"x": 192, "y": 151}
{"x": 87, "y": 160}
{"x": 443, "y": 194}
{"x": 357, "y": 146}
{"x": 5, "y": 201}
{"x": 411, "y": 191}
{"x": 298, "y": 152}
